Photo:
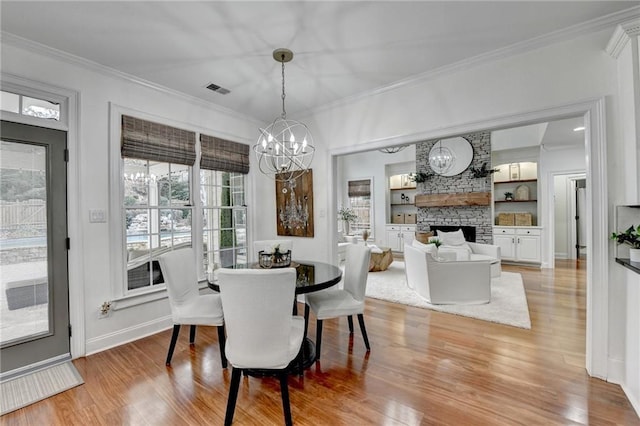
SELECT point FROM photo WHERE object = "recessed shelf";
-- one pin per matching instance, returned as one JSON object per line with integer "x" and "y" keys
{"x": 515, "y": 201}
{"x": 634, "y": 266}
{"x": 402, "y": 189}
{"x": 403, "y": 204}
{"x": 515, "y": 181}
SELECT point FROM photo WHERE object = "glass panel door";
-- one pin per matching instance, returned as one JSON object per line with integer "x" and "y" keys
{"x": 34, "y": 302}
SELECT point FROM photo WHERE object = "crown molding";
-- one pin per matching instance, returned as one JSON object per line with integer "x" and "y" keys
{"x": 35, "y": 47}
{"x": 621, "y": 36}
{"x": 565, "y": 34}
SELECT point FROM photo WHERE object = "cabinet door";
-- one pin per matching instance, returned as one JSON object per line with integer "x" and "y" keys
{"x": 393, "y": 240}
{"x": 529, "y": 248}
{"x": 407, "y": 238}
{"x": 506, "y": 244}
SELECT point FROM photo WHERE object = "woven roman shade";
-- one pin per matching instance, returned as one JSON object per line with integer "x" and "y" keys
{"x": 224, "y": 156}
{"x": 360, "y": 188}
{"x": 147, "y": 140}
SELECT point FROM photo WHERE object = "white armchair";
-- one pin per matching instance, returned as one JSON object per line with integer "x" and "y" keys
{"x": 447, "y": 283}
{"x": 455, "y": 244}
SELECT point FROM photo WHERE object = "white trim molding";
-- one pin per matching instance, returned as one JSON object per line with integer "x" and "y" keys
{"x": 621, "y": 36}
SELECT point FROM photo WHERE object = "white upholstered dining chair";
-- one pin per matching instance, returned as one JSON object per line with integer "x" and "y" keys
{"x": 188, "y": 306}
{"x": 346, "y": 301}
{"x": 262, "y": 333}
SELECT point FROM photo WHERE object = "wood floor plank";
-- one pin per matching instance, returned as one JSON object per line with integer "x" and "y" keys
{"x": 425, "y": 368}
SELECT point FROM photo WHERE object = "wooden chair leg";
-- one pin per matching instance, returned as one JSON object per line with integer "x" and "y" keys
{"x": 350, "y": 320}
{"x": 172, "y": 345}
{"x": 233, "y": 395}
{"x": 222, "y": 341}
{"x": 284, "y": 390}
{"x": 318, "y": 338}
{"x": 364, "y": 331}
{"x": 192, "y": 335}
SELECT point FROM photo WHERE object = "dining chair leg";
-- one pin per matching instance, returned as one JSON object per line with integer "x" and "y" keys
{"x": 284, "y": 390}
{"x": 318, "y": 338}
{"x": 233, "y": 395}
{"x": 350, "y": 320}
{"x": 222, "y": 341}
{"x": 364, "y": 331}
{"x": 306, "y": 319}
{"x": 192, "y": 334}
{"x": 172, "y": 345}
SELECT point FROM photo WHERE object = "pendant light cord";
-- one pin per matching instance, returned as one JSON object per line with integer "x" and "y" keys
{"x": 284, "y": 112}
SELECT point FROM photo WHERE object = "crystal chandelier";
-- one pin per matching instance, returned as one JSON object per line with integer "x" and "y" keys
{"x": 294, "y": 215}
{"x": 285, "y": 147}
{"x": 440, "y": 158}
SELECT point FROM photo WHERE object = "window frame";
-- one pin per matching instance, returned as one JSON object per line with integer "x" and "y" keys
{"x": 350, "y": 203}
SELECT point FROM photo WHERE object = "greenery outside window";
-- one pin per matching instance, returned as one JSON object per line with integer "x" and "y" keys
{"x": 224, "y": 219}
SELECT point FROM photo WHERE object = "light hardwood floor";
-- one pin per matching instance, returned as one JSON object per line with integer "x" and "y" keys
{"x": 424, "y": 368}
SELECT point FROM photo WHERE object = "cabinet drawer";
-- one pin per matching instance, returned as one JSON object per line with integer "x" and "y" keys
{"x": 528, "y": 232}
{"x": 407, "y": 228}
{"x": 503, "y": 231}
{"x": 393, "y": 228}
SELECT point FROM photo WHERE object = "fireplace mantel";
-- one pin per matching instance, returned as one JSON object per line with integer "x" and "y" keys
{"x": 453, "y": 199}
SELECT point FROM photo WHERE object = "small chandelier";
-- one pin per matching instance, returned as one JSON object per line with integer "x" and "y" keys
{"x": 285, "y": 147}
{"x": 392, "y": 149}
{"x": 440, "y": 158}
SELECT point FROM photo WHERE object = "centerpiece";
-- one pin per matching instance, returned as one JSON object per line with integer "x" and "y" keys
{"x": 275, "y": 258}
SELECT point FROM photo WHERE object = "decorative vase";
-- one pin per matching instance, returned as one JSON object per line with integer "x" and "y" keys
{"x": 345, "y": 227}
{"x": 634, "y": 255}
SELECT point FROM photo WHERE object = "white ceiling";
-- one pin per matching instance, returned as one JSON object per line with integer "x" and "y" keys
{"x": 342, "y": 49}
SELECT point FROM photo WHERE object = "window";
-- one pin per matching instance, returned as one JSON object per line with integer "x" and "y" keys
{"x": 170, "y": 202}
{"x": 224, "y": 219}
{"x": 33, "y": 107}
{"x": 359, "y": 192}
{"x": 158, "y": 216}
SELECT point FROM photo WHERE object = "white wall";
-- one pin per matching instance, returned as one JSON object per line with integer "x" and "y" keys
{"x": 97, "y": 89}
{"x": 560, "y": 210}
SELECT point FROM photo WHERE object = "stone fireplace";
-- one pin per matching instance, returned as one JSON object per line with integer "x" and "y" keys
{"x": 466, "y": 200}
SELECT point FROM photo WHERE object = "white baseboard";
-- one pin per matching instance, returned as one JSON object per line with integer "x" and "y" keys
{"x": 615, "y": 371}
{"x": 126, "y": 335}
{"x": 633, "y": 399}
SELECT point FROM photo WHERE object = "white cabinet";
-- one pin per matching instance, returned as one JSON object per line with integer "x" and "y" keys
{"x": 518, "y": 244}
{"x": 399, "y": 235}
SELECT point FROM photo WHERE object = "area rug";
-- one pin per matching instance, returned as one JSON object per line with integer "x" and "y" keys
{"x": 508, "y": 299}
{"x": 34, "y": 387}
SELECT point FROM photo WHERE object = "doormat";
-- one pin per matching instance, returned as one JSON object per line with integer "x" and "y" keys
{"x": 25, "y": 390}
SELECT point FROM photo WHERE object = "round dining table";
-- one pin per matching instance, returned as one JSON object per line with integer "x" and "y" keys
{"x": 311, "y": 276}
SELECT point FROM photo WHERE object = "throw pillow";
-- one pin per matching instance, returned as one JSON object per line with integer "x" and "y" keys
{"x": 458, "y": 252}
{"x": 427, "y": 248}
{"x": 455, "y": 238}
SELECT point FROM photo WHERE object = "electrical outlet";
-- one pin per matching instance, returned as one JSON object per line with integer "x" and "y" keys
{"x": 105, "y": 310}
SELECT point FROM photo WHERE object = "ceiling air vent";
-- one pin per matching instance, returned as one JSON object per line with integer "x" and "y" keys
{"x": 218, "y": 89}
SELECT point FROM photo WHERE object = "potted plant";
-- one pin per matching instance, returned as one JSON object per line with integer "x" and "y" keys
{"x": 347, "y": 216}
{"x": 436, "y": 242}
{"x": 631, "y": 237}
{"x": 508, "y": 196}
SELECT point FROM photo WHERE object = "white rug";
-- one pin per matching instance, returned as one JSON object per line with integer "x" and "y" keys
{"x": 34, "y": 387}
{"x": 508, "y": 299}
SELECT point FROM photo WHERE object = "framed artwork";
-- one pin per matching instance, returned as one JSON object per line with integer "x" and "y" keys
{"x": 294, "y": 206}
{"x": 514, "y": 171}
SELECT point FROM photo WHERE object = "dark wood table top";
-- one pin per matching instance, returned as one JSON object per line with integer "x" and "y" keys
{"x": 311, "y": 275}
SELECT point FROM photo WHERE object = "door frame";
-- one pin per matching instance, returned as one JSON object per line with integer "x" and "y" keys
{"x": 571, "y": 208}
{"x": 593, "y": 113}
{"x": 69, "y": 121}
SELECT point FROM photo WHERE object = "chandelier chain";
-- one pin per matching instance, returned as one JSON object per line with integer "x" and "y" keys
{"x": 284, "y": 112}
